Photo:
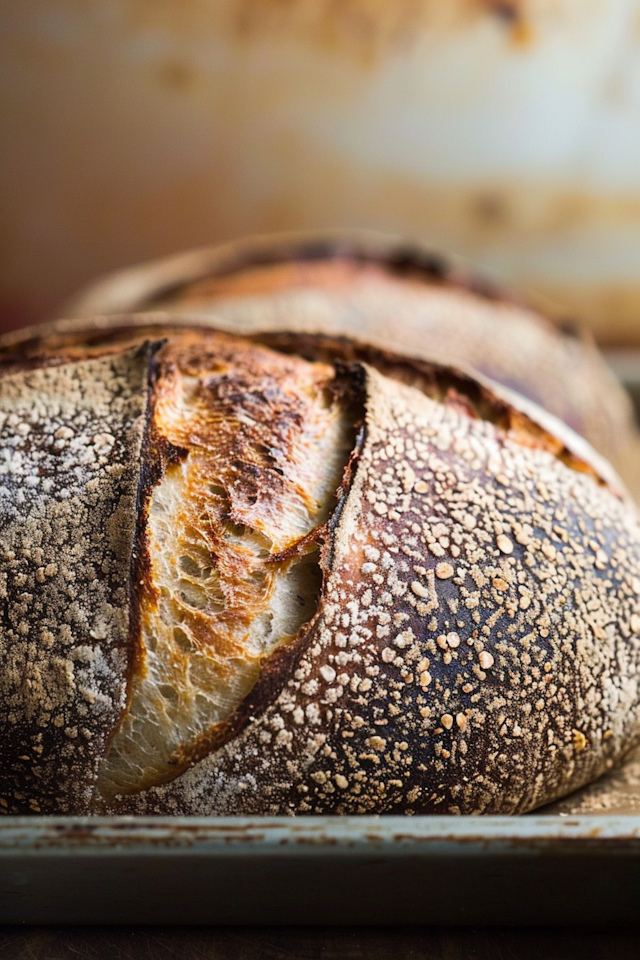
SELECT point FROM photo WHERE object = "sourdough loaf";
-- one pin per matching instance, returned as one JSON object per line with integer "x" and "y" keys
{"x": 296, "y": 574}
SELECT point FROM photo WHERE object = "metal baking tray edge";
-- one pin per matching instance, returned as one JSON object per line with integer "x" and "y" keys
{"x": 355, "y": 870}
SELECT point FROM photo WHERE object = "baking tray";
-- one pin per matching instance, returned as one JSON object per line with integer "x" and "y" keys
{"x": 321, "y": 870}
{"x": 576, "y": 861}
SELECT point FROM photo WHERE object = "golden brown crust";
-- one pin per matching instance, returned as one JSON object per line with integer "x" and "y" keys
{"x": 394, "y": 294}
{"x": 476, "y": 645}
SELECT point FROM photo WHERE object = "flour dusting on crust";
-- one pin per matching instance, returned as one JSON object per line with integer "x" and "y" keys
{"x": 70, "y": 440}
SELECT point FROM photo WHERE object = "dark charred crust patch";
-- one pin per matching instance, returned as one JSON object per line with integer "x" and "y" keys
{"x": 57, "y": 349}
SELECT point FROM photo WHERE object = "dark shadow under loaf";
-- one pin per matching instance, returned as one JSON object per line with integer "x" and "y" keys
{"x": 194, "y": 622}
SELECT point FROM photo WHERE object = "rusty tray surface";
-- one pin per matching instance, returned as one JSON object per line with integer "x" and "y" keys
{"x": 377, "y": 870}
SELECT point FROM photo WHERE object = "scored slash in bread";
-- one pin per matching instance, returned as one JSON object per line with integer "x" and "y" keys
{"x": 393, "y": 293}
{"x": 302, "y": 576}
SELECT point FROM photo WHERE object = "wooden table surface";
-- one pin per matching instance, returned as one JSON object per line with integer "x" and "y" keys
{"x": 315, "y": 943}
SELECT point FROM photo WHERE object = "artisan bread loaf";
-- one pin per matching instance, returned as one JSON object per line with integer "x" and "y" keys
{"x": 391, "y": 293}
{"x": 296, "y": 574}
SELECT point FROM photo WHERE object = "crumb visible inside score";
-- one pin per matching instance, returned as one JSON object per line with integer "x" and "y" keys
{"x": 265, "y": 441}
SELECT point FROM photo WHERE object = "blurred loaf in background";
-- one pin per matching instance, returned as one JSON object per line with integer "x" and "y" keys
{"x": 387, "y": 292}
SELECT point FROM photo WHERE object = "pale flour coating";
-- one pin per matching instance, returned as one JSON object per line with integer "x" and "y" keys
{"x": 70, "y": 442}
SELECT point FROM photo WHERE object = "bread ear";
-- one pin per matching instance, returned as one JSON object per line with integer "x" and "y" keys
{"x": 71, "y": 438}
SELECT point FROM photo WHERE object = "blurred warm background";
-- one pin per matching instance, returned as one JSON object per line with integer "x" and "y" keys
{"x": 506, "y": 131}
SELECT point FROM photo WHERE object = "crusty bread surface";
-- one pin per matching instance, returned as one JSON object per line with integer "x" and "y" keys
{"x": 300, "y": 576}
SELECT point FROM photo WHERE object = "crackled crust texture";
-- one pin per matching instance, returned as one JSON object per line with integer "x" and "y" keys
{"x": 473, "y": 642}
{"x": 390, "y": 293}
{"x": 70, "y": 439}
